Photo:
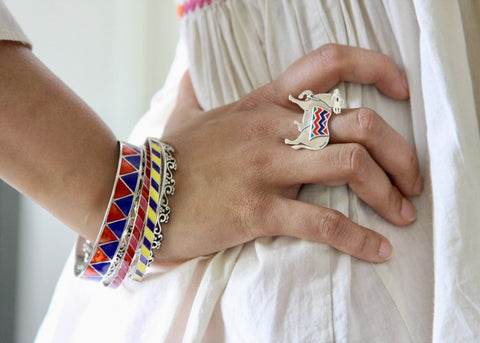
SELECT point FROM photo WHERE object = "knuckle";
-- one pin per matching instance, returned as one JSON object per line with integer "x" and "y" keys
{"x": 362, "y": 244}
{"x": 387, "y": 62}
{"x": 270, "y": 93}
{"x": 258, "y": 165}
{"x": 259, "y": 169}
{"x": 329, "y": 56}
{"x": 366, "y": 122}
{"x": 247, "y": 103}
{"x": 330, "y": 228}
{"x": 331, "y": 51}
{"x": 354, "y": 158}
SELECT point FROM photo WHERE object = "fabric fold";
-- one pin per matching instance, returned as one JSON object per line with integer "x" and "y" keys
{"x": 286, "y": 289}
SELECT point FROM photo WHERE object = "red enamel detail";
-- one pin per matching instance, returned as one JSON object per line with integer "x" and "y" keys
{"x": 143, "y": 207}
{"x": 139, "y": 222}
{"x": 114, "y": 214}
{"x": 121, "y": 190}
{"x": 107, "y": 236}
{"x": 99, "y": 257}
{"x": 91, "y": 272}
{"x": 128, "y": 260}
{"x": 127, "y": 151}
{"x": 126, "y": 168}
{"x": 134, "y": 241}
{"x": 131, "y": 251}
{"x": 145, "y": 191}
{"x": 147, "y": 170}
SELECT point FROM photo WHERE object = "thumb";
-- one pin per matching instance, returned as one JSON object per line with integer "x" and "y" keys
{"x": 187, "y": 104}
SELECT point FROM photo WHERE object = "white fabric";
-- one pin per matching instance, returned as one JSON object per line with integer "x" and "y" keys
{"x": 455, "y": 158}
{"x": 9, "y": 29}
{"x": 288, "y": 290}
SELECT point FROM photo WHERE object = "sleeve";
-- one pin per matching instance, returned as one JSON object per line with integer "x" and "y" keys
{"x": 9, "y": 29}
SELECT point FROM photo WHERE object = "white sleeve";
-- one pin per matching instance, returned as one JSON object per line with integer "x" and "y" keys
{"x": 9, "y": 29}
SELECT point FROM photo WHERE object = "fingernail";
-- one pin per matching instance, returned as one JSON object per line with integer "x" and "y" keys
{"x": 386, "y": 250}
{"x": 408, "y": 212}
{"x": 418, "y": 185}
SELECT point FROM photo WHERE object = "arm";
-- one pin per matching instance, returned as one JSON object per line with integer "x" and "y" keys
{"x": 236, "y": 179}
{"x": 54, "y": 149}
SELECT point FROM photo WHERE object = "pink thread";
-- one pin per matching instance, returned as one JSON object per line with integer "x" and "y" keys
{"x": 186, "y": 6}
{"x": 190, "y": 5}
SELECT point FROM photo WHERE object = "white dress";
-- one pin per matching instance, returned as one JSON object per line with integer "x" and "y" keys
{"x": 283, "y": 289}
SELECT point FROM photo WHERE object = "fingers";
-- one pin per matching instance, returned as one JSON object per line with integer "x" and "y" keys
{"x": 351, "y": 164}
{"x": 325, "y": 67}
{"x": 365, "y": 127}
{"x": 387, "y": 147}
{"x": 315, "y": 223}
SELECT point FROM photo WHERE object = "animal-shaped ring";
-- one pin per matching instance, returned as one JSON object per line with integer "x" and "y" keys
{"x": 317, "y": 110}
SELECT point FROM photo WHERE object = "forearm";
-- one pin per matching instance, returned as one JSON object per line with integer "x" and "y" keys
{"x": 54, "y": 148}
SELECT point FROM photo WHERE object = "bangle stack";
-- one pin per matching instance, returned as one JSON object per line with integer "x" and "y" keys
{"x": 132, "y": 224}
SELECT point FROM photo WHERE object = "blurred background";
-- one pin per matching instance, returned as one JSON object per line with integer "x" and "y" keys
{"x": 115, "y": 54}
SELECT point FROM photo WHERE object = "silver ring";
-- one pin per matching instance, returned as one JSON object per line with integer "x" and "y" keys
{"x": 317, "y": 110}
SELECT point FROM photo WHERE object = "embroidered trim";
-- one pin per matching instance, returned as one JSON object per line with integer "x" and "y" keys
{"x": 191, "y": 5}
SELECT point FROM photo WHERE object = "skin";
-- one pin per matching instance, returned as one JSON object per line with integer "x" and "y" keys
{"x": 54, "y": 148}
{"x": 236, "y": 180}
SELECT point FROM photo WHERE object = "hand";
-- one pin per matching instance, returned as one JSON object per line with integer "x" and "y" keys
{"x": 237, "y": 180}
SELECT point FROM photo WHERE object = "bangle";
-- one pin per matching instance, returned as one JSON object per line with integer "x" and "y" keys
{"x": 131, "y": 226}
{"x": 144, "y": 253}
{"x": 93, "y": 261}
{"x": 135, "y": 247}
{"x": 168, "y": 188}
{"x": 122, "y": 259}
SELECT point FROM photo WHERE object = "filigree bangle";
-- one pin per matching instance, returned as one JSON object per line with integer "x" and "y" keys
{"x": 167, "y": 189}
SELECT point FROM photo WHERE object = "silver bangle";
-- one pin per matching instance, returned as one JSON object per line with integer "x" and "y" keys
{"x": 127, "y": 234}
{"x": 167, "y": 189}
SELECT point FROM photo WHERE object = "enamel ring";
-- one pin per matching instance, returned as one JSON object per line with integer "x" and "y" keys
{"x": 317, "y": 110}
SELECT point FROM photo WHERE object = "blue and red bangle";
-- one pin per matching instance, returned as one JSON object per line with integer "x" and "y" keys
{"x": 93, "y": 260}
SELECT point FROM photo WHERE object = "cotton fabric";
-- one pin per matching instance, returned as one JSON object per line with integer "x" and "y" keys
{"x": 284, "y": 289}
{"x": 9, "y": 29}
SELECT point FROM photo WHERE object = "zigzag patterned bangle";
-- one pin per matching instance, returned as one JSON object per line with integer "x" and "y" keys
{"x": 133, "y": 251}
{"x": 129, "y": 240}
{"x": 93, "y": 261}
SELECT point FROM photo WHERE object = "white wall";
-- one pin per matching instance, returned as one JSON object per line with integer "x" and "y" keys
{"x": 115, "y": 54}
